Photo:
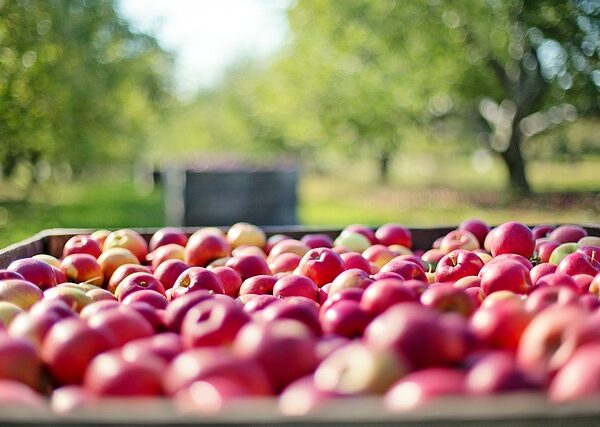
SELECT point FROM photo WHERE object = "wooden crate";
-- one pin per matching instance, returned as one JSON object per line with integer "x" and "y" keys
{"x": 501, "y": 410}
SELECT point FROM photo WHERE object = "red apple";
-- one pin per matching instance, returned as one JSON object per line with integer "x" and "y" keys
{"x": 567, "y": 233}
{"x": 127, "y": 239}
{"x": 448, "y": 298}
{"x": 248, "y": 265}
{"x": 81, "y": 267}
{"x": 273, "y": 345}
{"x": 497, "y": 372}
{"x": 100, "y": 295}
{"x": 151, "y": 297}
{"x": 286, "y": 262}
{"x": 459, "y": 239}
{"x": 258, "y": 285}
{"x": 355, "y": 260}
{"x": 298, "y": 308}
{"x": 166, "y": 346}
{"x": 579, "y": 379}
{"x": 122, "y": 272}
{"x": 345, "y": 318}
{"x": 364, "y": 230}
{"x": 20, "y": 292}
{"x": 70, "y": 346}
{"x": 384, "y": 293}
{"x": 432, "y": 257}
{"x": 19, "y": 361}
{"x": 259, "y": 302}
{"x": 506, "y": 275}
{"x": 121, "y": 325}
{"x": 546, "y": 296}
{"x": 82, "y": 244}
{"x": 110, "y": 374}
{"x": 317, "y": 240}
{"x": 113, "y": 258}
{"x": 231, "y": 279}
{"x": 197, "y": 278}
{"x": 303, "y": 397}
{"x": 545, "y": 249}
{"x": 468, "y": 282}
{"x": 542, "y": 230}
{"x": 7, "y": 275}
{"x": 18, "y": 395}
{"x": 477, "y": 227}
{"x": 295, "y": 285}
{"x": 71, "y": 399}
{"x": 213, "y": 395}
{"x": 511, "y": 237}
{"x": 35, "y": 271}
{"x": 540, "y": 271}
{"x": 136, "y": 282}
{"x": 203, "y": 247}
{"x": 407, "y": 269}
{"x": 394, "y": 234}
{"x": 557, "y": 280}
{"x": 456, "y": 265}
{"x": 288, "y": 246}
{"x": 321, "y": 265}
{"x": 177, "y": 309}
{"x": 99, "y": 236}
{"x": 353, "y": 278}
{"x": 164, "y": 253}
{"x": 419, "y": 388}
{"x": 213, "y": 323}
{"x": 73, "y": 296}
{"x": 169, "y": 271}
{"x": 578, "y": 263}
{"x": 273, "y": 240}
{"x": 583, "y": 282}
{"x": 379, "y": 254}
{"x": 168, "y": 235}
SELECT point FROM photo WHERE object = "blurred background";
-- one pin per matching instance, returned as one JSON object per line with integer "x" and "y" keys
{"x": 423, "y": 112}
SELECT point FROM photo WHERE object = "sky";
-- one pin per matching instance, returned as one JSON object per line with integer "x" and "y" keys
{"x": 209, "y": 35}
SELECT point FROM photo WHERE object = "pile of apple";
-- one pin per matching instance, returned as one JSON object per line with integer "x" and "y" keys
{"x": 219, "y": 317}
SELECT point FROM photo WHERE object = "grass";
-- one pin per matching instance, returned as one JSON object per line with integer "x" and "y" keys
{"x": 421, "y": 192}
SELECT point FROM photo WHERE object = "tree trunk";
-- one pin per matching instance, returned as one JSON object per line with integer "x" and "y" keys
{"x": 384, "y": 167}
{"x": 515, "y": 163}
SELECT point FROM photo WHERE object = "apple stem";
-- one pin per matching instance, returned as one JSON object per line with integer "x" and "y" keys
{"x": 593, "y": 256}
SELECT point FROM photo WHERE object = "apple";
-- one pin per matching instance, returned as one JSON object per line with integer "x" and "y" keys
{"x": 497, "y": 372}
{"x": 169, "y": 271}
{"x": 456, "y": 265}
{"x": 506, "y": 275}
{"x": 35, "y": 271}
{"x": 445, "y": 297}
{"x": 500, "y": 325}
{"x": 583, "y": 282}
{"x": 352, "y": 241}
{"x": 127, "y": 239}
{"x": 364, "y": 230}
{"x": 557, "y": 280}
{"x": 82, "y": 244}
{"x": 296, "y": 308}
{"x": 546, "y": 296}
{"x": 153, "y": 298}
{"x": 578, "y": 263}
{"x": 346, "y": 318}
{"x": 288, "y": 246}
{"x": 579, "y": 379}
{"x": 109, "y": 374}
{"x": 394, "y": 234}
{"x": 100, "y": 295}
{"x": 511, "y": 257}
{"x": 567, "y": 233}
{"x": 273, "y": 240}
{"x": 356, "y": 369}
{"x": 468, "y": 282}
{"x": 274, "y": 345}
{"x": 167, "y": 235}
{"x": 80, "y": 267}
{"x": 412, "y": 331}
{"x": 542, "y": 230}
{"x": 177, "y": 309}
{"x": 113, "y": 258}
{"x": 499, "y": 296}
{"x": 302, "y": 397}
{"x": 545, "y": 249}
{"x": 407, "y": 269}
{"x": 209, "y": 396}
{"x": 200, "y": 364}
{"x": 258, "y": 285}
{"x": 511, "y": 237}
{"x": 231, "y": 279}
{"x": 48, "y": 259}
{"x": 539, "y": 348}
{"x": 321, "y": 265}
{"x": 20, "y": 292}
{"x": 136, "y": 282}
{"x": 7, "y": 275}
{"x": 384, "y": 293}
{"x": 296, "y": 285}
{"x": 19, "y": 361}
{"x": 196, "y": 278}
{"x": 166, "y": 346}
{"x": 352, "y": 294}
{"x": 379, "y": 254}
{"x": 122, "y": 272}
{"x": 15, "y": 394}
{"x": 353, "y": 278}
{"x": 203, "y": 248}
{"x": 248, "y": 265}
{"x": 421, "y": 387}
{"x": 213, "y": 323}
{"x": 540, "y": 271}
{"x": 71, "y": 399}
{"x": 259, "y": 302}
{"x": 431, "y": 258}
{"x": 69, "y": 347}
{"x": 459, "y": 239}
{"x": 243, "y": 233}
{"x": 8, "y": 312}
{"x": 164, "y": 253}
{"x": 560, "y": 252}
{"x": 589, "y": 241}
{"x": 477, "y": 227}
{"x": 286, "y": 262}
{"x": 317, "y": 240}
{"x": 121, "y": 324}
{"x": 74, "y": 297}
{"x": 99, "y": 236}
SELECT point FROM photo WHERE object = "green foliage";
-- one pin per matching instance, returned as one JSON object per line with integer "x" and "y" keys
{"x": 77, "y": 85}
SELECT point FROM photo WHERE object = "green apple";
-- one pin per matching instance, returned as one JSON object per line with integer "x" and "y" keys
{"x": 562, "y": 251}
{"x": 356, "y": 242}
